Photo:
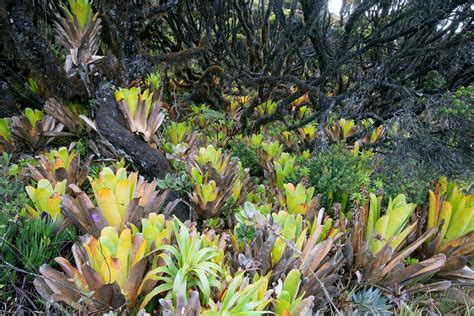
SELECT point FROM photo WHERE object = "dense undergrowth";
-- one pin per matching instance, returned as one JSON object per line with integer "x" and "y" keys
{"x": 322, "y": 218}
{"x": 279, "y": 224}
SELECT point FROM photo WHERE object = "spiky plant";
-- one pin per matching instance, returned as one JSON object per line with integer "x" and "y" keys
{"x": 143, "y": 114}
{"x": 121, "y": 199}
{"x": 378, "y": 257}
{"x": 288, "y": 301}
{"x": 58, "y": 165}
{"x": 46, "y": 199}
{"x": 242, "y": 298}
{"x": 107, "y": 274}
{"x": 452, "y": 213}
{"x": 188, "y": 265}
{"x": 70, "y": 116}
{"x": 33, "y": 130}
{"x": 371, "y": 301}
{"x": 217, "y": 181}
{"x": 78, "y": 31}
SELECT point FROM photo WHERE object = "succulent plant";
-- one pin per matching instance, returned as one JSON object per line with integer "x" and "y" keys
{"x": 370, "y": 301}
{"x": 177, "y": 183}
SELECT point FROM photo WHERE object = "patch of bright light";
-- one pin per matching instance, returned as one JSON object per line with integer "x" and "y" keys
{"x": 334, "y": 6}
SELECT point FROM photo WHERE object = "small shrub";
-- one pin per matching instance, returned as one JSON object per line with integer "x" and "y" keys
{"x": 248, "y": 156}
{"x": 336, "y": 173}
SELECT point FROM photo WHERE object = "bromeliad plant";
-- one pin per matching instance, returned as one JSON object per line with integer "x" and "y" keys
{"x": 121, "y": 199}
{"x": 270, "y": 150}
{"x": 242, "y": 298}
{"x": 452, "y": 213}
{"x": 319, "y": 258}
{"x": 308, "y": 134}
{"x": 33, "y": 130}
{"x": 341, "y": 129}
{"x": 78, "y": 31}
{"x": 287, "y": 300}
{"x": 217, "y": 181}
{"x": 299, "y": 200}
{"x": 143, "y": 114}
{"x": 291, "y": 227}
{"x": 73, "y": 116}
{"x": 108, "y": 273}
{"x": 380, "y": 245}
{"x": 176, "y": 133}
{"x": 156, "y": 231}
{"x": 188, "y": 265}
{"x": 46, "y": 199}
{"x": 59, "y": 165}
{"x": 284, "y": 166}
{"x": 265, "y": 108}
{"x": 391, "y": 226}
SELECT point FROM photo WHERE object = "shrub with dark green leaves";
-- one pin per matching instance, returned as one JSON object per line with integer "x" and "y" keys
{"x": 248, "y": 156}
{"x": 12, "y": 194}
{"x": 336, "y": 173}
